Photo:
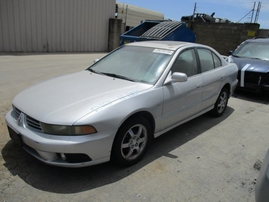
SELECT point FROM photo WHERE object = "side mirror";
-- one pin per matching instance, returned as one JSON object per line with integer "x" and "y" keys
{"x": 176, "y": 77}
{"x": 230, "y": 52}
{"x": 179, "y": 77}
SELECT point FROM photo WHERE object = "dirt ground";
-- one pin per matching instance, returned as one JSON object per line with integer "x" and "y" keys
{"x": 206, "y": 159}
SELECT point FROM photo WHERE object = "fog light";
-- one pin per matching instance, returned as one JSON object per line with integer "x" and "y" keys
{"x": 63, "y": 157}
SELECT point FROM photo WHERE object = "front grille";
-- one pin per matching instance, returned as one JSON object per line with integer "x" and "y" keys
{"x": 16, "y": 112}
{"x": 253, "y": 77}
{"x": 256, "y": 78}
{"x": 265, "y": 79}
{"x": 30, "y": 122}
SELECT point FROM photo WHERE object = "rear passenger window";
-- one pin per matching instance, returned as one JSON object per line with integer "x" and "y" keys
{"x": 208, "y": 60}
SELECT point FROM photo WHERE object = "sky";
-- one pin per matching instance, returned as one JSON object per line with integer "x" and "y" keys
{"x": 233, "y": 10}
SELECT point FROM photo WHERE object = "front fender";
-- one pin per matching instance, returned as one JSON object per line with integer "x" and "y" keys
{"x": 112, "y": 116}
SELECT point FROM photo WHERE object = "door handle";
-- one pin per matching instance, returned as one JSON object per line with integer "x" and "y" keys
{"x": 199, "y": 85}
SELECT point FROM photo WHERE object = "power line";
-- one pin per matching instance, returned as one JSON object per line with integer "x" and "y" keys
{"x": 253, "y": 10}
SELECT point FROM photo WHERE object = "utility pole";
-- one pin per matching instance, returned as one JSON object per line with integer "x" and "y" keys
{"x": 258, "y": 12}
{"x": 126, "y": 14}
{"x": 194, "y": 11}
{"x": 253, "y": 9}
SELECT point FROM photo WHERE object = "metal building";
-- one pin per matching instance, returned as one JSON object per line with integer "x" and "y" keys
{"x": 132, "y": 16}
{"x": 55, "y": 25}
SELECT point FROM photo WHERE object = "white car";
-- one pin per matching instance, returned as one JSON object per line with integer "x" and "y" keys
{"x": 113, "y": 109}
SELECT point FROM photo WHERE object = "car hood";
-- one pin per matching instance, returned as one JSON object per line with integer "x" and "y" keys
{"x": 254, "y": 65}
{"x": 65, "y": 99}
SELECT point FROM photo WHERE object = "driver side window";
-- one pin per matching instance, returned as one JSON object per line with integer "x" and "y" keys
{"x": 186, "y": 63}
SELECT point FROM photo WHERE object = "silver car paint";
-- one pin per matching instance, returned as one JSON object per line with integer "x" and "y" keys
{"x": 107, "y": 106}
{"x": 76, "y": 99}
{"x": 48, "y": 145}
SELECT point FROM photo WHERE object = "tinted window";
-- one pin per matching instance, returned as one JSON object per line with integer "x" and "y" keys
{"x": 186, "y": 63}
{"x": 206, "y": 59}
{"x": 217, "y": 61}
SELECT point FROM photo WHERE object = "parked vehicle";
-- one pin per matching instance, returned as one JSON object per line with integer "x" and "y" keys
{"x": 198, "y": 17}
{"x": 202, "y": 17}
{"x": 113, "y": 109}
{"x": 262, "y": 185}
{"x": 252, "y": 59}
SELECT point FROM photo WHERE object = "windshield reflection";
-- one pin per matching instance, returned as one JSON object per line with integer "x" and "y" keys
{"x": 139, "y": 64}
{"x": 253, "y": 50}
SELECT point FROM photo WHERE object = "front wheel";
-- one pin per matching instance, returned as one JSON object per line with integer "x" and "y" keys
{"x": 221, "y": 103}
{"x": 131, "y": 141}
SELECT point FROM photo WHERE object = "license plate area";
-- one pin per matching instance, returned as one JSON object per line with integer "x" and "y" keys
{"x": 15, "y": 136}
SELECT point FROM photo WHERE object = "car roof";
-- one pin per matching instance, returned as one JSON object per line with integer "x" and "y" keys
{"x": 170, "y": 45}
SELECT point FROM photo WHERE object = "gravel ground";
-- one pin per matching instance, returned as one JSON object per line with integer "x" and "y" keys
{"x": 206, "y": 159}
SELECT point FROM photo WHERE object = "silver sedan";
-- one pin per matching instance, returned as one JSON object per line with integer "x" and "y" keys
{"x": 113, "y": 109}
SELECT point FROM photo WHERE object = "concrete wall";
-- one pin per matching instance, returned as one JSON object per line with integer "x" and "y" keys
{"x": 115, "y": 26}
{"x": 263, "y": 33}
{"x": 223, "y": 37}
{"x": 55, "y": 25}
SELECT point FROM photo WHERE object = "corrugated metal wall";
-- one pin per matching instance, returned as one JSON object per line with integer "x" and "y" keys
{"x": 134, "y": 15}
{"x": 55, "y": 25}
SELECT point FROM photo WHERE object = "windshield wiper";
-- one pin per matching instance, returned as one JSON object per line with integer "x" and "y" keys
{"x": 91, "y": 70}
{"x": 256, "y": 58}
{"x": 236, "y": 56}
{"x": 117, "y": 76}
{"x": 249, "y": 57}
{"x": 111, "y": 74}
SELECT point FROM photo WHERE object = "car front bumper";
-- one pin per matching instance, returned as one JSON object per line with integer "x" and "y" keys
{"x": 253, "y": 81}
{"x": 64, "y": 151}
{"x": 258, "y": 88}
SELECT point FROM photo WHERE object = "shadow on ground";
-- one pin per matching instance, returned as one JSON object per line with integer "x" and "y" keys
{"x": 251, "y": 96}
{"x": 74, "y": 180}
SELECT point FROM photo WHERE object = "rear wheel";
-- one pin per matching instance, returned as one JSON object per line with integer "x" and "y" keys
{"x": 221, "y": 103}
{"x": 131, "y": 141}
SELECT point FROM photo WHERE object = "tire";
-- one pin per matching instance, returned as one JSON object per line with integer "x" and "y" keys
{"x": 131, "y": 142}
{"x": 221, "y": 103}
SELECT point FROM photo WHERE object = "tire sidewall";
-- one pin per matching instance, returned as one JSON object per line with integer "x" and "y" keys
{"x": 116, "y": 154}
{"x": 215, "y": 111}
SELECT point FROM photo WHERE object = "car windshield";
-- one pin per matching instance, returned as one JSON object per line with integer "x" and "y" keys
{"x": 138, "y": 64}
{"x": 256, "y": 50}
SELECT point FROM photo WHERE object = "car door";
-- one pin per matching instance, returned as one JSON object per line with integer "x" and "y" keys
{"x": 182, "y": 99}
{"x": 213, "y": 76}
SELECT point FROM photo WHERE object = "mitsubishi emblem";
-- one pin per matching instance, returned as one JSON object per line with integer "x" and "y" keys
{"x": 19, "y": 120}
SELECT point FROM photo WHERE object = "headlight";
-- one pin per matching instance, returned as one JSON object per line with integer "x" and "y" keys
{"x": 67, "y": 130}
